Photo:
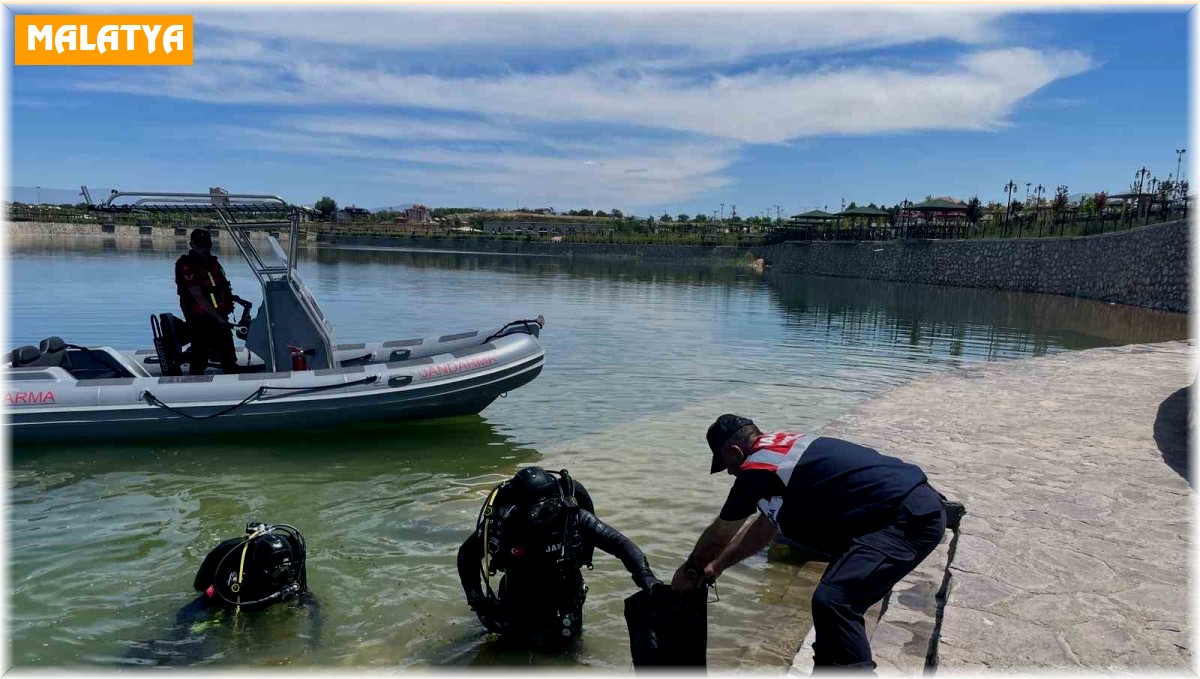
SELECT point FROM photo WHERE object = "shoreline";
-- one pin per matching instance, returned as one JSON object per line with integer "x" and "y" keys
{"x": 1146, "y": 267}
{"x": 1074, "y": 550}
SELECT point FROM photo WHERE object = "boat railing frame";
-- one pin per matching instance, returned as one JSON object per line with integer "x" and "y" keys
{"x": 228, "y": 207}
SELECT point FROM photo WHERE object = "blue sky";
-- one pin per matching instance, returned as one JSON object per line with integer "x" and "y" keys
{"x": 646, "y": 109}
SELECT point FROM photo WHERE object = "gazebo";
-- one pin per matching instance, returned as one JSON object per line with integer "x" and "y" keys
{"x": 812, "y": 218}
{"x": 870, "y": 215}
{"x": 938, "y": 209}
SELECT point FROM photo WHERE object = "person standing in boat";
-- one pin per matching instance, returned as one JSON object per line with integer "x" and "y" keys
{"x": 206, "y": 299}
{"x": 539, "y": 531}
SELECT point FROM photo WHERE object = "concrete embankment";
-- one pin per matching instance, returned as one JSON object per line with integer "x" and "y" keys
{"x": 1145, "y": 267}
{"x": 1074, "y": 551}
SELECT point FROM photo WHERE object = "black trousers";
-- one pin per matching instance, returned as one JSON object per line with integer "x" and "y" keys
{"x": 209, "y": 337}
{"x": 865, "y": 573}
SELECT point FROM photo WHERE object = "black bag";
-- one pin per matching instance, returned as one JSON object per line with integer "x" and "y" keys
{"x": 668, "y": 628}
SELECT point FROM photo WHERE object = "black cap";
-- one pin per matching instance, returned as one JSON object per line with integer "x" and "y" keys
{"x": 200, "y": 237}
{"x": 719, "y": 432}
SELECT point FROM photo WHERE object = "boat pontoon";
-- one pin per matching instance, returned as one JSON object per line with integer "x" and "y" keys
{"x": 291, "y": 371}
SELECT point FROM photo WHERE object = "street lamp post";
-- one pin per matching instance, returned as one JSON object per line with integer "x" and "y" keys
{"x": 1009, "y": 187}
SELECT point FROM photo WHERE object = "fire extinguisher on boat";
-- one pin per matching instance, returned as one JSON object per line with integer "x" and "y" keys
{"x": 297, "y": 356}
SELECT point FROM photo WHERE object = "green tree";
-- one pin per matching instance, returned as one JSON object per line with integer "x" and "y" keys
{"x": 326, "y": 206}
{"x": 681, "y": 217}
{"x": 617, "y": 213}
{"x": 974, "y": 212}
{"x": 666, "y": 218}
{"x": 601, "y": 213}
{"x": 700, "y": 218}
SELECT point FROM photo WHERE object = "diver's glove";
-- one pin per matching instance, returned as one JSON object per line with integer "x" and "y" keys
{"x": 646, "y": 580}
{"x": 488, "y": 611}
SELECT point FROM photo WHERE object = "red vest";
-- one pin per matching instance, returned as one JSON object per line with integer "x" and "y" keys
{"x": 778, "y": 453}
{"x": 190, "y": 271}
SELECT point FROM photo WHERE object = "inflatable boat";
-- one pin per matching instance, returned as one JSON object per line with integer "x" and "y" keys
{"x": 291, "y": 374}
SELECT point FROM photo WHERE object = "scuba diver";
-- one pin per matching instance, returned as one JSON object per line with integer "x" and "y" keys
{"x": 539, "y": 530}
{"x": 237, "y": 579}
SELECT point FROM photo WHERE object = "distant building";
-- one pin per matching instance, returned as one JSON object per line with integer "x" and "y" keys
{"x": 546, "y": 228}
{"x": 352, "y": 214}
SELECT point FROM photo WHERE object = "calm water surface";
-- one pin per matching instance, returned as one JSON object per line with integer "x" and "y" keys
{"x": 640, "y": 358}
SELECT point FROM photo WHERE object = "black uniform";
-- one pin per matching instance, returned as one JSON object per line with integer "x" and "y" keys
{"x": 874, "y": 516}
{"x": 539, "y": 538}
{"x": 208, "y": 335}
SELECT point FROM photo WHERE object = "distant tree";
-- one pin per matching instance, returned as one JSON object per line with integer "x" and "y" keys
{"x": 681, "y": 217}
{"x": 852, "y": 205}
{"x": 700, "y": 218}
{"x": 1088, "y": 205}
{"x": 1100, "y": 200}
{"x": 585, "y": 213}
{"x": 874, "y": 206}
{"x": 617, "y": 213}
{"x": 1061, "y": 200}
{"x": 326, "y": 206}
{"x": 650, "y": 220}
{"x": 601, "y": 213}
{"x": 1166, "y": 191}
{"x": 974, "y": 212}
{"x": 735, "y": 219}
{"x": 665, "y": 218}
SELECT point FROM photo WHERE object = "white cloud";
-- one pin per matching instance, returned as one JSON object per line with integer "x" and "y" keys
{"x": 715, "y": 32}
{"x": 665, "y": 172}
{"x": 761, "y": 106}
{"x": 647, "y": 105}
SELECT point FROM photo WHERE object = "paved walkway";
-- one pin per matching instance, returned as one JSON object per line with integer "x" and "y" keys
{"x": 1073, "y": 554}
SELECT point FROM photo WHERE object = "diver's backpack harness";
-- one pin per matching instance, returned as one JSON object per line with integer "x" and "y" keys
{"x": 494, "y": 519}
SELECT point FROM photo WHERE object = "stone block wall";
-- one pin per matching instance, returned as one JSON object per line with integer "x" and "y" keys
{"x": 1145, "y": 267}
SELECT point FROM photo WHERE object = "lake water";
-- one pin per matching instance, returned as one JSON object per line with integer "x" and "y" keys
{"x": 105, "y": 539}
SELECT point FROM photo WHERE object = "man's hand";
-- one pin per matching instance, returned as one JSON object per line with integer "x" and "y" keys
{"x": 711, "y": 572}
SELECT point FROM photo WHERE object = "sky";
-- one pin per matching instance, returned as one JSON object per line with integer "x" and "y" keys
{"x": 648, "y": 109}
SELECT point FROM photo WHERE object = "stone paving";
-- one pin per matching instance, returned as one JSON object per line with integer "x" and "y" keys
{"x": 1073, "y": 554}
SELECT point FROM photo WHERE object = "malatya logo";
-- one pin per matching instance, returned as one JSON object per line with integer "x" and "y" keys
{"x": 102, "y": 40}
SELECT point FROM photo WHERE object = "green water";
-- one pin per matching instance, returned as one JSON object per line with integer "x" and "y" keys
{"x": 641, "y": 357}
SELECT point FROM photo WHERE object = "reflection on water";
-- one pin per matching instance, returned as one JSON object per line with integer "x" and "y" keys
{"x": 640, "y": 358}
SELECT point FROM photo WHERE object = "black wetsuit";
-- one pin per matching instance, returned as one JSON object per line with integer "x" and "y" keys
{"x": 540, "y": 587}
{"x": 195, "y": 638}
{"x": 875, "y": 518}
